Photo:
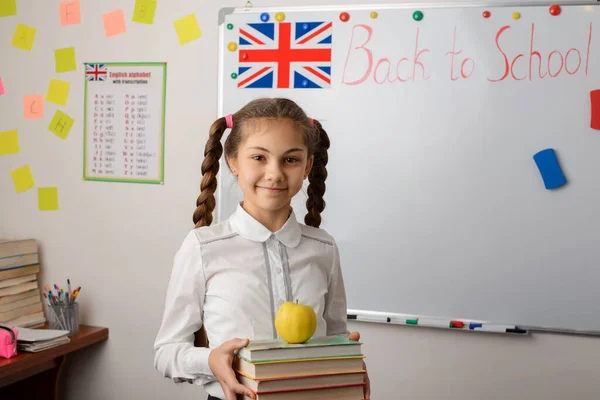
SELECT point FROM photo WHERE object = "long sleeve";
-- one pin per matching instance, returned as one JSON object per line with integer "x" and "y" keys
{"x": 335, "y": 301}
{"x": 174, "y": 353}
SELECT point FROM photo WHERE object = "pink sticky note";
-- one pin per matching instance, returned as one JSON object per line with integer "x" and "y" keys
{"x": 70, "y": 13}
{"x": 33, "y": 107}
{"x": 1, "y": 87}
{"x": 114, "y": 23}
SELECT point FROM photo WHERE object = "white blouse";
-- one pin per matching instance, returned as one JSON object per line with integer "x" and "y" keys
{"x": 232, "y": 277}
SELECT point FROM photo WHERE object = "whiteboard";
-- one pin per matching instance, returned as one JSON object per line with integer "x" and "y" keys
{"x": 433, "y": 195}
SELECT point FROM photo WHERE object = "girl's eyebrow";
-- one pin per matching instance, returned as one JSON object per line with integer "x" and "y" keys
{"x": 267, "y": 151}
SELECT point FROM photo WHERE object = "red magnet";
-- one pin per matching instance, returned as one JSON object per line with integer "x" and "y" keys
{"x": 244, "y": 56}
{"x": 344, "y": 16}
{"x": 595, "y": 109}
{"x": 486, "y": 14}
{"x": 555, "y": 9}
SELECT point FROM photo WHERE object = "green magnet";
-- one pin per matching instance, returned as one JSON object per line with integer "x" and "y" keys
{"x": 417, "y": 15}
{"x": 233, "y": 75}
{"x": 230, "y": 26}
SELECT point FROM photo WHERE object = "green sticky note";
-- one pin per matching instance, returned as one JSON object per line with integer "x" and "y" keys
{"x": 48, "y": 198}
{"x": 9, "y": 142}
{"x": 144, "y": 11}
{"x": 187, "y": 29}
{"x": 22, "y": 178}
{"x": 58, "y": 92}
{"x": 8, "y": 8}
{"x": 65, "y": 59}
{"x": 61, "y": 124}
{"x": 24, "y": 36}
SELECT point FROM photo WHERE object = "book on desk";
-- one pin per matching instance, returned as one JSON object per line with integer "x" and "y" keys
{"x": 20, "y": 294}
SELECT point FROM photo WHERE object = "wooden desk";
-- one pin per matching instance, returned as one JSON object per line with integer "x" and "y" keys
{"x": 36, "y": 375}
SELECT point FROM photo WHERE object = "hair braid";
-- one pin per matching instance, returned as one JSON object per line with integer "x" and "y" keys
{"x": 205, "y": 204}
{"x": 315, "y": 204}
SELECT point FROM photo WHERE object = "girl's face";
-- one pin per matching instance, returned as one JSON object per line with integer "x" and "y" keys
{"x": 271, "y": 164}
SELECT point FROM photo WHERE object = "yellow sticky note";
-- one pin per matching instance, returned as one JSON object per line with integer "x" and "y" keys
{"x": 144, "y": 11}
{"x": 61, "y": 124}
{"x": 8, "y": 8}
{"x": 187, "y": 29}
{"x": 48, "y": 198}
{"x": 24, "y": 36}
{"x": 58, "y": 92}
{"x": 33, "y": 106}
{"x": 65, "y": 59}
{"x": 9, "y": 142}
{"x": 22, "y": 178}
{"x": 114, "y": 23}
{"x": 70, "y": 13}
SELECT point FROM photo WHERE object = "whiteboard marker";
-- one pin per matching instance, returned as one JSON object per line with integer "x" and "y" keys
{"x": 496, "y": 328}
{"x": 457, "y": 324}
{"x": 367, "y": 318}
{"x": 434, "y": 323}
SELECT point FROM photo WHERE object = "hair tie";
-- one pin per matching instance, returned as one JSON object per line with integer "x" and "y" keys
{"x": 229, "y": 121}
{"x": 312, "y": 121}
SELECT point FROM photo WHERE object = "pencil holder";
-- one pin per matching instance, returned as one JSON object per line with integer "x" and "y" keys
{"x": 65, "y": 318}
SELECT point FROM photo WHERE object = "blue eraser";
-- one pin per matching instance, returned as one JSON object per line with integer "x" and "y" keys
{"x": 547, "y": 163}
{"x": 473, "y": 325}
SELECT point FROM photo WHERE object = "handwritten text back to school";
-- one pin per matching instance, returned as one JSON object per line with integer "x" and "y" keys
{"x": 368, "y": 65}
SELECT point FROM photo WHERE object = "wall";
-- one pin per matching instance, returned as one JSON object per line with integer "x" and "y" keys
{"x": 118, "y": 240}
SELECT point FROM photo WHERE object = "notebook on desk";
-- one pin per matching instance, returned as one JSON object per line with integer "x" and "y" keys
{"x": 34, "y": 340}
{"x": 39, "y": 335}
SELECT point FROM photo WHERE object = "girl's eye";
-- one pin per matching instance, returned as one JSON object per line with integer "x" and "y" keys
{"x": 291, "y": 160}
{"x": 258, "y": 158}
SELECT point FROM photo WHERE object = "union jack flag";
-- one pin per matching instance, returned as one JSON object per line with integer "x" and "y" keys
{"x": 95, "y": 72}
{"x": 285, "y": 55}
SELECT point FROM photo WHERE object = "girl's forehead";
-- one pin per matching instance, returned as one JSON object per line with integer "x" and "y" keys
{"x": 272, "y": 131}
{"x": 267, "y": 125}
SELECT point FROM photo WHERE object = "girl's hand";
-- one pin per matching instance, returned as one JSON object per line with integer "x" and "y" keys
{"x": 220, "y": 362}
{"x": 356, "y": 337}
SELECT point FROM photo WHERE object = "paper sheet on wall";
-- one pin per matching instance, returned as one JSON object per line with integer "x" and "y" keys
{"x": 124, "y": 122}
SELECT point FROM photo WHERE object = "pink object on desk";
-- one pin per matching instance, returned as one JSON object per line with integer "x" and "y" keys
{"x": 8, "y": 342}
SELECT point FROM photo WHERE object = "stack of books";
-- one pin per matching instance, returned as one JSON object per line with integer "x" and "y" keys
{"x": 324, "y": 368}
{"x": 20, "y": 301}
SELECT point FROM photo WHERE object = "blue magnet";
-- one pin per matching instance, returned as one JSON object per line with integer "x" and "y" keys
{"x": 264, "y": 17}
{"x": 305, "y": 83}
{"x": 550, "y": 170}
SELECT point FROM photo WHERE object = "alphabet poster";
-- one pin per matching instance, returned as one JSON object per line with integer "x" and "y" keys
{"x": 124, "y": 122}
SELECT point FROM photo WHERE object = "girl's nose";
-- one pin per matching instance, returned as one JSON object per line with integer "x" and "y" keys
{"x": 274, "y": 172}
